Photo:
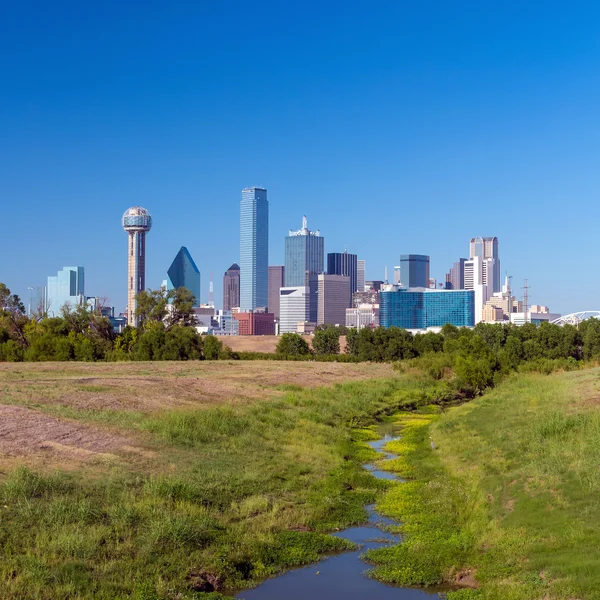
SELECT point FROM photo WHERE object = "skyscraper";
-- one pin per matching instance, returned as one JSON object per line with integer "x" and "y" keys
{"x": 67, "y": 287}
{"x": 276, "y": 282}
{"x": 183, "y": 272}
{"x": 414, "y": 271}
{"x": 334, "y": 291}
{"x": 254, "y": 248}
{"x": 304, "y": 253}
{"x": 137, "y": 222}
{"x": 342, "y": 263}
{"x": 295, "y": 308}
{"x": 455, "y": 278}
{"x": 231, "y": 287}
{"x": 360, "y": 275}
{"x": 487, "y": 248}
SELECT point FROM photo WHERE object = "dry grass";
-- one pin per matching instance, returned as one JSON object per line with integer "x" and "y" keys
{"x": 265, "y": 343}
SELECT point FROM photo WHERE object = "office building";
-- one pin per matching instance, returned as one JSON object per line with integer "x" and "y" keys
{"x": 475, "y": 278}
{"x": 255, "y": 323}
{"x": 334, "y": 292}
{"x": 304, "y": 253}
{"x": 65, "y": 288}
{"x": 487, "y": 248}
{"x": 137, "y": 222}
{"x": 294, "y": 308}
{"x": 363, "y": 315}
{"x": 231, "y": 287}
{"x": 184, "y": 273}
{"x": 397, "y": 275}
{"x": 425, "y": 308}
{"x": 276, "y": 282}
{"x": 375, "y": 284}
{"x": 360, "y": 275}
{"x": 368, "y": 297}
{"x": 414, "y": 270}
{"x": 342, "y": 263}
{"x": 254, "y": 248}
{"x": 455, "y": 278}
{"x": 226, "y": 323}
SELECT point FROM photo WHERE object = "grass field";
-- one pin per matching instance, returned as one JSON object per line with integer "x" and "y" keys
{"x": 506, "y": 500}
{"x": 161, "y": 479}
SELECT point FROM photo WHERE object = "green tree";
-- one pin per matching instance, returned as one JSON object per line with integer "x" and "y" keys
{"x": 326, "y": 341}
{"x": 182, "y": 308}
{"x": 212, "y": 347}
{"x": 151, "y": 307}
{"x": 292, "y": 344}
{"x": 12, "y": 315}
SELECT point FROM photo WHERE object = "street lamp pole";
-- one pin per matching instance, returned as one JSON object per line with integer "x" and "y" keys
{"x": 29, "y": 308}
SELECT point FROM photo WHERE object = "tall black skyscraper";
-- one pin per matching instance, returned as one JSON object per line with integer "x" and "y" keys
{"x": 342, "y": 263}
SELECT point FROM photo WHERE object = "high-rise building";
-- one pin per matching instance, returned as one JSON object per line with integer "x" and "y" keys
{"x": 137, "y": 222}
{"x": 414, "y": 271}
{"x": 360, "y": 275}
{"x": 475, "y": 279}
{"x": 334, "y": 291}
{"x": 65, "y": 288}
{"x": 455, "y": 278}
{"x": 276, "y": 282}
{"x": 397, "y": 275}
{"x": 487, "y": 248}
{"x": 183, "y": 272}
{"x": 342, "y": 263}
{"x": 421, "y": 309}
{"x": 231, "y": 287}
{"x": 254, "y": 249}
{"x": 294, "y": 306}
{"x": 304, "y": 253}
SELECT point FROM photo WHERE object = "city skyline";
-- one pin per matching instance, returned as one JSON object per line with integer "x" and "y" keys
{"x": 471, "y": 126}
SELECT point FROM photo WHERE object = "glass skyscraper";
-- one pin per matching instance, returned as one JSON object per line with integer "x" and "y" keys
{"x": 428, "y": 308}
{"x": 254, "y": 249}
{"x": 414, "y": 271}
{"x": 342, "y": 263}
{"x": 183, "y": 272}
{"x": 67, "y": 287}
{"x": 304, "y": 254}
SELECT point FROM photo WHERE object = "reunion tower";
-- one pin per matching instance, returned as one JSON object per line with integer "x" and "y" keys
{"x": 136, "y": 221}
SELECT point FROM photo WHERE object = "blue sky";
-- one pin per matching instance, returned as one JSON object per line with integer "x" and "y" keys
{"x": 396, "y": 127}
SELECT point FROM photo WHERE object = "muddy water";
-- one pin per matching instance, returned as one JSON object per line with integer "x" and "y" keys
{"x": 342, "y": 576}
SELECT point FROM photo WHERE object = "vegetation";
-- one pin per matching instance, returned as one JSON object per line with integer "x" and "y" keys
{"x": 504, "y": 494}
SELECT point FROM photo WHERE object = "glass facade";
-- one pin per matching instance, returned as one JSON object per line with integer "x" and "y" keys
{"x": 422, "y": 309}
{"x": 304, "y": 253}
{"x": 67, "y": 287}
{"x": 414, "y": 270}
{"x": 254, "y": 249}
{"x": 342, "y": 263}
{"x": 231, "y": 287}
{"x": 183, "y": 272}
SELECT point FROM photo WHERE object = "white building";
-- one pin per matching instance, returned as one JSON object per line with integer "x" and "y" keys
{"x": 294, "y": 307}
{"x": 364, "y": 315}
{"x": 226, "y": 323}
{"x": 476, "y": 279}
{"x": 360, "y": 275}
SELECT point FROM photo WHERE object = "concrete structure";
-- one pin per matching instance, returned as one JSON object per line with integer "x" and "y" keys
{"x": 487, "y": 248}
{"x": 363, "y": 315}
{"x": 304, "y": 253}
{"x": 342, "y": 263}
{"x": 183, "y": 272}
{"x": 475, "y": 278}
{"x": 254, "y": 248}
{"x": 334, "y": 299}
{"x": 306, "y": 328}
{"x": 255, "y": 323}
{"x": 65, "y": 288}
{"x": 294, "y": 308}
{"x": 414, "y": 270}
{"x": 137, "y": 222}
{"x": 231, "y": 287}
{"x": 276, "y": 282}
{"x": 368, "y": 297}
{"x": 397, "y": 275}
{"x": 226, "y": 323}
{"x": 375, "y": 284}
{"x": 360, "y": 275}
{"x": 492, "y": 314}
{"x": 537, "y": 318}
{"x": 424, "y": 308}
{"x": 455, "y": 278}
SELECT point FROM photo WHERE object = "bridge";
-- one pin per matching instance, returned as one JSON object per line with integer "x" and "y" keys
{"x": 576, "y": 318}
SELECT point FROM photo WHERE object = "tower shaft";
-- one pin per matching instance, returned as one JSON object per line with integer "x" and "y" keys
{"x": 136, "y": 272}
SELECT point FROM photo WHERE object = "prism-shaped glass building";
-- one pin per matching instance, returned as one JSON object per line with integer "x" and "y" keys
{"x": 183, "y": 272}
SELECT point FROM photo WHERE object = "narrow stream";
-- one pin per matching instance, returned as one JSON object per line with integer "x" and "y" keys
{"x": 341, "y": 577}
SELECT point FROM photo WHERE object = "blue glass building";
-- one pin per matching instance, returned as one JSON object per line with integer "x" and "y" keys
{"x": 67, "y": 287}
{"x": 304, "y": 255}
{"x": 254, "y": 249}
{"x": 414, "y": 271}
{"x": 342, "y": 263}
{"x": 183, "y": 272}
{"x": 420, "y": 309}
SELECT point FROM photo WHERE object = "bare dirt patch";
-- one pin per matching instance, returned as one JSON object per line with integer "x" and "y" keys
{"x": 24, "y": 431}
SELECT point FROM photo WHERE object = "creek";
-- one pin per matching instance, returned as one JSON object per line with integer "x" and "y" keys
{"x": 342, "y": 576}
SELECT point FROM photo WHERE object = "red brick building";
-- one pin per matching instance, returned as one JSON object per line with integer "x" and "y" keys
{"x": 255, "y": 323}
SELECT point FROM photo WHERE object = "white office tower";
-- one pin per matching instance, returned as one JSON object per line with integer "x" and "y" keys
{"x": 360, "y": 275}
{"x": 476, "y": 270}
{"x": 294, "y": 308}
{"x": 486, "y": 248}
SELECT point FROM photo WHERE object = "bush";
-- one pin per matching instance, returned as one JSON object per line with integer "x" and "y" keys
{"x": 292, "y": 344}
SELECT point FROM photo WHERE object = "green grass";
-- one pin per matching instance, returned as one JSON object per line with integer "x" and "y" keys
{"x": 509, "y": 495}
{"x": 235, "y": 494}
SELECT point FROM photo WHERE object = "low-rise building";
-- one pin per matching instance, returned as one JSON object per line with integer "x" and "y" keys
{"x": 255, "y": 323}
{"x": 364, "y": 315}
